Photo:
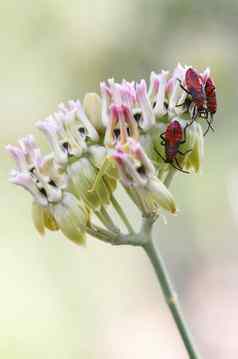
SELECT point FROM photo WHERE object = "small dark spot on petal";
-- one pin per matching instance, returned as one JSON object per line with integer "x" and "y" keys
{"x": 141, "y": 170}
{"x": 43, "y": 191}
{"x": 65, "y": 146}
{"x": 137, "y": 116}
{"x": 82, "y": 130}
{"x": 117, "y": 132}
{"x": 52, "y": 183}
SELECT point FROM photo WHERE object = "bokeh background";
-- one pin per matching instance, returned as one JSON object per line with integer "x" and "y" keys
{"x": 61, "y": 301}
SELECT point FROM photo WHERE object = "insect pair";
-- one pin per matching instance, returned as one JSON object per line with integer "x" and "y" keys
{"x": 202, "y": 96}
{"x": 173, "y": 137}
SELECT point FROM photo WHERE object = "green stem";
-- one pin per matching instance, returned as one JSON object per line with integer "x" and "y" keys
{"x": 121, "y": 213}
{"x": 106, "y": 220}
{"x": 170, "y": 176}
{"x": 144, "y": 239}
{"x": 170, "y": 296}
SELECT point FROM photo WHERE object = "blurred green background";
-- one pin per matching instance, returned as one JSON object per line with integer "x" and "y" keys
{"x": 61, "y": 301}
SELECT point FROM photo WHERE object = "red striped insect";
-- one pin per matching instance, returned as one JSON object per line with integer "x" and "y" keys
{"x": 210, "y": 90}
{"x": 195, "y": 88}
{"x": 172, "y": 138}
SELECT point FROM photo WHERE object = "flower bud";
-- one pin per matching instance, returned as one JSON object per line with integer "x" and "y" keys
{"x": 42, "y": 218}
{"x": 92, "y": 105}
{"x": 161, "y": 195}
{"x": 72, "y": 217}
{"x": 194, "y": 159}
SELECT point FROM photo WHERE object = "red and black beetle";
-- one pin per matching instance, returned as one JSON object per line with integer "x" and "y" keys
{"x": 195, "y": 88}
{"x": 210, "y": 91}
{"x": 172, "y": 138}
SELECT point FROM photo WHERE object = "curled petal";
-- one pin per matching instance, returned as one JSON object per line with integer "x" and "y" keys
{"x": 128, "y": 94}
{"x": 154, "y": 86}
{"x": 109, "y": 138}
{"x": 106, "y": 100}
{"x": 148, "y": 119}
{"x": 91, "y": 132}
{"x": 19, "y": 157}
{"x": 205, "y": 75}
{"x": 121, "y": 126}
{"x": 31, "y": 150}
{"x": 129, "y": 170}
{"x": 139, "y": 154}
{"x": 51, "y": 129}
{"x": 26, "y": 181}
{"x": 160, "y": 109}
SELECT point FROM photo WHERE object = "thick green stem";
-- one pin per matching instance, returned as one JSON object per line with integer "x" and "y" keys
{"x": 170, "y": 296}
{"x": 144, "y": 239}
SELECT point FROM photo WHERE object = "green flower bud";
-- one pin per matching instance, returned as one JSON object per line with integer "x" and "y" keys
{"x": 160, "y": 195}
{"x": 38, "y": 217}
{"x": 72, "y": 217}
{"x": 43, "y": 218}
{"x": 194, "y": 159}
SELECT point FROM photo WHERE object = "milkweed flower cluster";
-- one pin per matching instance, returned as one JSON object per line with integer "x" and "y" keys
{"x": 132, "y": 134}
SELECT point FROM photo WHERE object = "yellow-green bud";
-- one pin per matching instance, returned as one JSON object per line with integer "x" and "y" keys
{"x": 92, "y": 105}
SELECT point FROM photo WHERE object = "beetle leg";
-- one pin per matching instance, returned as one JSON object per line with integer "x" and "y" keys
{"x": 211, "y": 115}
{"x": 185, "y": 133}
{"x": 195, "y": 113}
{"x": 182, "y": 87}
{"x": 164, "y": 159}
{"x": 184, "y": 153}
{"x": 179, "y": 167}
{"x": 162, "y": 136}
{"x": 208, "y": 127}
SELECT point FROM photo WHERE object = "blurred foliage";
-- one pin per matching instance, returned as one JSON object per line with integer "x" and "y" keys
{"x": 60, "y": 301}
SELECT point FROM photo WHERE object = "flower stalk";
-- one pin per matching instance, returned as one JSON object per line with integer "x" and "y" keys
{"x": 170, "y": 296}
{"x": 144, "y": 240}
